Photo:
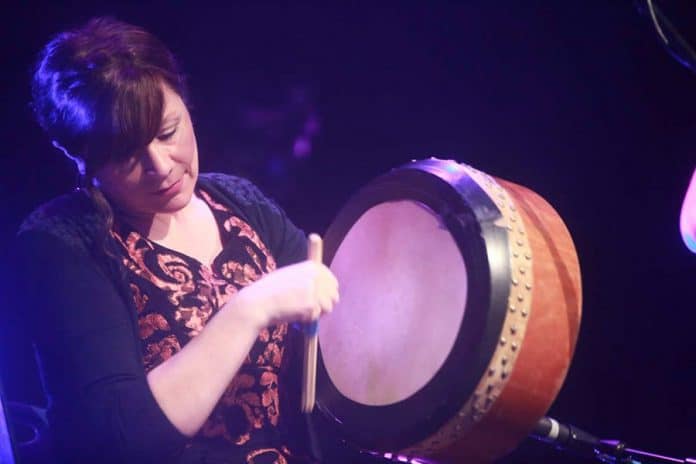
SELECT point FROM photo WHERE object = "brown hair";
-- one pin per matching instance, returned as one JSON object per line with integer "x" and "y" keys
{"x": 97, "y": 93}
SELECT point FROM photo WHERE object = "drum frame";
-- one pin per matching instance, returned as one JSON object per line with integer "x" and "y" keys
{"x": 448, "y": 190}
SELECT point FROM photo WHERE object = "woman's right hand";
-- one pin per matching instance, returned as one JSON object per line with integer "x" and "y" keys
{"x": 299, "y": 292}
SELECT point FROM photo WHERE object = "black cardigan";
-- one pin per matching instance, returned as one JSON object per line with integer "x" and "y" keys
{"x": 83, "y": 321}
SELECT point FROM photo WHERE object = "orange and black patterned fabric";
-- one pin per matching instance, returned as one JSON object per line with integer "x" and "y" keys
{"x": 175, "y": 295}
{"x": 102, "y": 310}
{"x": 102, "y": 313}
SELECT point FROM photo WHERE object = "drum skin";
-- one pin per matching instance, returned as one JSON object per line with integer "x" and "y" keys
{"x": 517, "y": 335}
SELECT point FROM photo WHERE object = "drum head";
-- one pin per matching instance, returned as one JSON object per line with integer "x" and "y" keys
{"x": 403, "y": 299}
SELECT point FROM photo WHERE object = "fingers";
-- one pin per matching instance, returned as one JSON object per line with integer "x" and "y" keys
{"x": 313, "y": 313}
{"x": 323, "y": 292}
{"x": 326, "y": 289}
{"x": 299, "y": 292}
{"x": 317, "y": 312}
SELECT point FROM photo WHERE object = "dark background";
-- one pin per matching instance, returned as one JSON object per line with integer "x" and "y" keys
{"x": 575, "y": 100}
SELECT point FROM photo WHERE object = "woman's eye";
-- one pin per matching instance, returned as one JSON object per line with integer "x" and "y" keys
{"x": 166, "y": 135}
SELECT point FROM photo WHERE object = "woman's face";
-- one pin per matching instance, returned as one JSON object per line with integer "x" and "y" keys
{"x": 161, "y": 178}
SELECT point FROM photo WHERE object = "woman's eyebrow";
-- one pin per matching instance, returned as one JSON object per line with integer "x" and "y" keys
{"x": 169, "y": 119}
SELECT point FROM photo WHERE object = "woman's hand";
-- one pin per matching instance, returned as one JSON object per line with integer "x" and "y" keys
{"x": 299, "y": 292}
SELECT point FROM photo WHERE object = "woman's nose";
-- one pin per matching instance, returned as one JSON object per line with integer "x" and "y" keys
{"x": 158, "y": 161}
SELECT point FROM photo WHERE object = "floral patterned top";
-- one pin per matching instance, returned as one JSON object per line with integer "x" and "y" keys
{"x": 175, "y": 295}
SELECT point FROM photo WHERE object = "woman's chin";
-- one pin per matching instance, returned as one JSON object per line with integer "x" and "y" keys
{"x": 180, "y": 199}
{"x": 177, "y": 203}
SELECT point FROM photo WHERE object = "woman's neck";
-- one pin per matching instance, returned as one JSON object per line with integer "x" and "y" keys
{"x": 158, "y": 226}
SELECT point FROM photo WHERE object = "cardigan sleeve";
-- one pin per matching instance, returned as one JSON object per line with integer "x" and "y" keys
{"x": 101, "y": 408}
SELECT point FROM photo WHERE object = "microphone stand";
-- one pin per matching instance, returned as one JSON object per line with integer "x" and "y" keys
{"x": 576, "y": 441}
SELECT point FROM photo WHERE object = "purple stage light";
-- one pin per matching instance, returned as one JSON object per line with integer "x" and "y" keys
{"x": 687, "y": 220}
{"x": 401, "y": 458}
{"x": 6, "y": 454}
{"x": 302, "y": 147}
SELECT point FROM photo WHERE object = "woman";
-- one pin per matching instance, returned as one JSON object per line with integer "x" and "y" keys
{"x": 159, "y": 299}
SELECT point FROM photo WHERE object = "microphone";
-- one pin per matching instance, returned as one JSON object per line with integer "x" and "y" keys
{"x": 574, "y": 440}
{"x": 566, "y": 437}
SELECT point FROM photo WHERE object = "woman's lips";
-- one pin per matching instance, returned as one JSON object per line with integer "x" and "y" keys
{"x": 172, "y": 189}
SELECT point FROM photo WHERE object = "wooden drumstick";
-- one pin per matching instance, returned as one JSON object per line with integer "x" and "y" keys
{"x": 309, "y": 371}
